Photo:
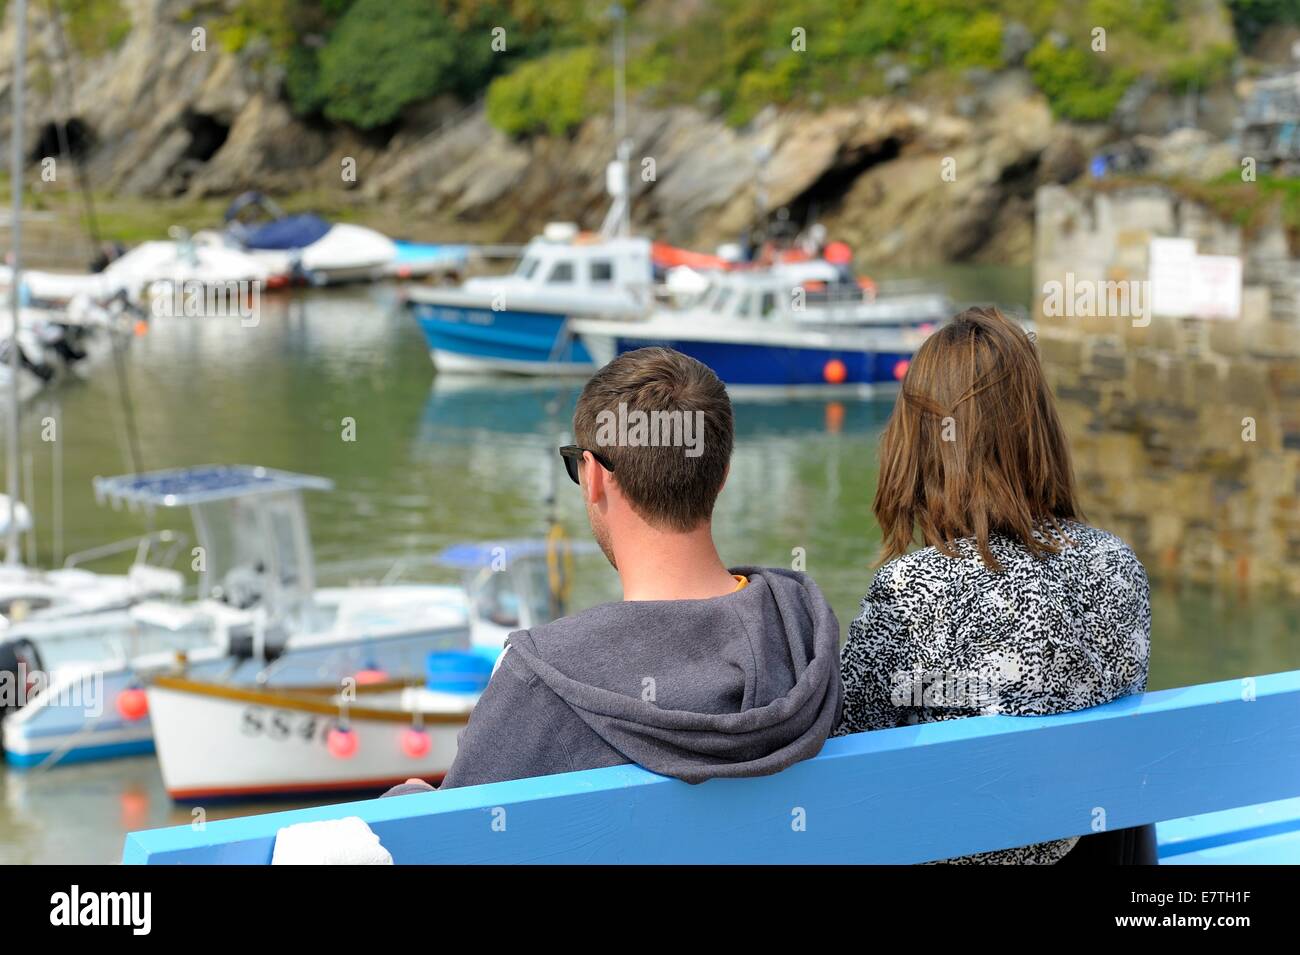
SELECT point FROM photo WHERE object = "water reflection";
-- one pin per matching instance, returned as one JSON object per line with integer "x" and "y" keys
{"x": 438, "y": 460}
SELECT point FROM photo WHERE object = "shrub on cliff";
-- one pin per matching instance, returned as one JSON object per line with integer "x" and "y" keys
{"x": 386, "y": 54}
{"x": 1075, "y": 83}
{"x": 551, "y": 94}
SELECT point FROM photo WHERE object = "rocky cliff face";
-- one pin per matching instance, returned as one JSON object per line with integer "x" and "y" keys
{"x": 906, "y": 182}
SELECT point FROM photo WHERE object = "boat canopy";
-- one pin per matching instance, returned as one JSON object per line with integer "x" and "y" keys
{"x": 291, "y": 232}
{"x": 185, "y": 487}
{"x": 475, "y": 555}
{"x": 276, "y": 230}
{"x": 254, "y": 544}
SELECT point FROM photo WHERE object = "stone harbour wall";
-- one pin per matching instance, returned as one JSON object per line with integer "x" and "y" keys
{"x": 1185, "y": 432}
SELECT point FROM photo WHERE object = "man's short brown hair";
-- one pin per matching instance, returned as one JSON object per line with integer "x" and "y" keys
{"x": 672, "y": 479}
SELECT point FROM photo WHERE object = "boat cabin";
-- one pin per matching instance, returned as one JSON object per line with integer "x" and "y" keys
{"x": 254, "y": 547}
{"x": 563, "y": 260}
{"x": 512, "y": 584}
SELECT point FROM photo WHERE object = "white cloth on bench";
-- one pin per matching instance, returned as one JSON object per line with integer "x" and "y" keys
{"x": 346, "y": 841}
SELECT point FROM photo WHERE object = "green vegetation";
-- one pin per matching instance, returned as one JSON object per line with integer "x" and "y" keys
{"x": 93, "y": 26}
{"x": 1252, "y": 17}
{"x": 1251, "y": 205}
{"x": 363, "y": 62}
{"x": 552, "y": 94}
{"x": 1074, "y": 82}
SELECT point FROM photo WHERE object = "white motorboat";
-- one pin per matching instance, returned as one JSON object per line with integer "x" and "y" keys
{"x": 522, "y": 322}
{"x": 260, "y": 618}
{"x": 305, "y": 245}
{"x": 150, "y": 270}
{"x": 217, "y": 741}
{"x": 785, "y": 330}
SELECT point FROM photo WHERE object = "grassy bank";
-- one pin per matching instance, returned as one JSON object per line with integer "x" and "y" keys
{"x": 57, "y": 228}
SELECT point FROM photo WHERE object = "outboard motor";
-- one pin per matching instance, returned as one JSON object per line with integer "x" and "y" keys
{"x": 19, "y": 662}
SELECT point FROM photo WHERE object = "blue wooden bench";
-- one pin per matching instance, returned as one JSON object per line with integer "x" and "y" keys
{"x": 1217, "y": 765}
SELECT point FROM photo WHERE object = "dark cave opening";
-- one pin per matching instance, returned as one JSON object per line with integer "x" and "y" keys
{"x": 73, "y": 140}
{"x": 207, "y": 135}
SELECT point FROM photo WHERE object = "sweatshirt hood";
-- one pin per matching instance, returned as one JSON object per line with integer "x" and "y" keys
{"x": 739, "y": 685}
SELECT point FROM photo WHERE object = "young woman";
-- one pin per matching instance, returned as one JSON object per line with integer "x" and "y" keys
{"x": 1012, "y": 604}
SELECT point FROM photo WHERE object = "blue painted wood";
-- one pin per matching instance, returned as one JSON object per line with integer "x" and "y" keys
{"x": 1178, "y": 836}
{"x": 1280, "y": 849}
{"x": 910, "y": 794}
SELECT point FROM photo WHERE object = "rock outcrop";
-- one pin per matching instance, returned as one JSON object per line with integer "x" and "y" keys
{"x": 906, "y": 181}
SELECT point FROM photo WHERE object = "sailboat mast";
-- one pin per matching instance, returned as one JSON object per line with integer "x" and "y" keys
{"x": 12, "y": 555}
{"x": 622, "y": 146}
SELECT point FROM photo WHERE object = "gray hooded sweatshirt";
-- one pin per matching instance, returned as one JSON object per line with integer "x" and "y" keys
{"x": 739, "y": 685}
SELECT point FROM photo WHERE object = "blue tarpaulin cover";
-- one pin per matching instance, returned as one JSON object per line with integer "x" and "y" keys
{"x": 291, "y": 232}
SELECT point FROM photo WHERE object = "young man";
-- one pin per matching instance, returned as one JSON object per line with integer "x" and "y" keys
{"x": 699, "y": 671}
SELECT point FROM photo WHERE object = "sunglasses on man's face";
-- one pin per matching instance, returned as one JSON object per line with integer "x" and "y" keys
{"x": 571, "y": 455}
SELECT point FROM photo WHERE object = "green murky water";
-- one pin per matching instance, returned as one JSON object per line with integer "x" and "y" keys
{"x": 439, "y": 461}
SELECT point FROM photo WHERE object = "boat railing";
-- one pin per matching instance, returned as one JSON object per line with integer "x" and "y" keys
{"x": 142, "y": 544}
{"x": 1216, "y": 766}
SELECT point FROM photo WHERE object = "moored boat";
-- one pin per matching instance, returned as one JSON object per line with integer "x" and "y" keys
{"x": 521, "y": 323}
{"x": 217, "y": 741}
{"x": 785, "y": 330}
{"x": 305, "y": 245}
{"x": 260, "y": 618}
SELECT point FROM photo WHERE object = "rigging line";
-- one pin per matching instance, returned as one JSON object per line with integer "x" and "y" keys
{"x": 13, "y": 555}
{"x": 128, "y": 406}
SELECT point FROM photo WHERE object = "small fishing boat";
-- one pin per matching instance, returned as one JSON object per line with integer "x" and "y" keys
{"x": 259, "y": 619}
{"x": 216, "y": 741}
{"x": 521, "y": 323}
{"x": 305, "y": 245}
{"x": 788, "y": 329}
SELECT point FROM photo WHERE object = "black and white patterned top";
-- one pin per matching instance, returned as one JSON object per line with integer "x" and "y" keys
{"x": 941, "y": 638}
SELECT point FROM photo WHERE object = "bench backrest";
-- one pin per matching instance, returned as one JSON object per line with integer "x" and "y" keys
{"x": 911, "y": 794}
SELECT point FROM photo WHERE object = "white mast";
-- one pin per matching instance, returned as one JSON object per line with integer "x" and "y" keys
{"x": 618, "y": 221}
{"x": 12, "y": 555}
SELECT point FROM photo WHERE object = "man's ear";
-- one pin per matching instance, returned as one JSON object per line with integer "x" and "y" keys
{"x": 593, "y": 479}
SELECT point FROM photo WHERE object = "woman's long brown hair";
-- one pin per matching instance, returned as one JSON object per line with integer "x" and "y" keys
{"x": 974, "y": 446}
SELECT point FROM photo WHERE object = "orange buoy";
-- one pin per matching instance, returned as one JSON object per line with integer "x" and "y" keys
{"x": 132, "y": 704}
{"x": 416, "y": 742}
{"x": 341, "y": 743}
{"x": 835, "y": 372}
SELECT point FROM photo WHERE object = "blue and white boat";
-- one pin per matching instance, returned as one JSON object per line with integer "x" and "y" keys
{"x": 522, "y": 323}
{"x": 786, "y": 330}
{"x": 260, "y": 618}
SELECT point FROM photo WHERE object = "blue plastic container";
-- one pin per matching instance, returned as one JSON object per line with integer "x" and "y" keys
{"x": 458, "y": 671}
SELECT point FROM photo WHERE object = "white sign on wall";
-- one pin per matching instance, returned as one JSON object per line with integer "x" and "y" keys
{"x": 1187, "y": 285}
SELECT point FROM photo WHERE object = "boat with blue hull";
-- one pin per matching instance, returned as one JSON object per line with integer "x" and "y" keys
{"x": 784, "y": 332}
{"x": 260, "y": 620}
{"x": 522, "y": 323}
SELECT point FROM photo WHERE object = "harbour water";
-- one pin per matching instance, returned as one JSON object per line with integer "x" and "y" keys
{"x": 437, "y": 461}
